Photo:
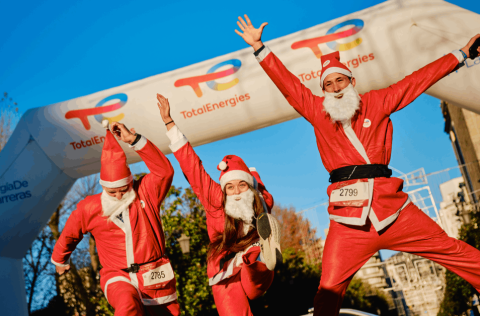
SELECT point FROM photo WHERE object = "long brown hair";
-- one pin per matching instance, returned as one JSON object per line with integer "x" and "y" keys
{"x": 232, "y": 240}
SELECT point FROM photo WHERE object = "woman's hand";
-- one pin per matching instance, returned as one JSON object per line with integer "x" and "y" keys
{"x": 62, "y": 270}
{"x": 164, "y": 107}
{"x": 250, "y": 35}
{"x": 122, "y": 133}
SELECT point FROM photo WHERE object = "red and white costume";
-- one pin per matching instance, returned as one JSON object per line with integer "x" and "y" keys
{"x": 134, "y": 238}
{"x": 242, "y": 277}
{"x": 367, "y": 139}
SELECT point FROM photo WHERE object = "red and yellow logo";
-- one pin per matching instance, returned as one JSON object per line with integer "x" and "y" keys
{"x": 331, "y": 38}
{"x": 99, "y": 109}
{"x": 211, "y": 76}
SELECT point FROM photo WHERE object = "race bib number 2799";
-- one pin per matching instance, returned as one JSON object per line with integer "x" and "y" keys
{"x": 350, "y": 194}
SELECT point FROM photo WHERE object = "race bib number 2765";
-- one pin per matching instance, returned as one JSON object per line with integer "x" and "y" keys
{"x": 160, "y": 274}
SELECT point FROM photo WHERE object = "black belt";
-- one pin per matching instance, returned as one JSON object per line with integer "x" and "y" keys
{"x": 135, "y": 267}
{"x": 360, "y": 172}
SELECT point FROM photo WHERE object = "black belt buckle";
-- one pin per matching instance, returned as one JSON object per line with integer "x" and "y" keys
{"x": 134, "y": 268}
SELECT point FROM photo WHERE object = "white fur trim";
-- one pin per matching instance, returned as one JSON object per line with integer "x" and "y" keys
{"x": 160, "y": 300}
{"x": 177, "y": 139}
{"x": 379, "y": 225}
{"x": 105, "y": 124}
{"x": 263, "y": 54}
{"x": 236, "y": 175}
{"x": 140, "y": 144}
{"x": 332, "y": 70}
{"x": 457, "y": 53}
{"x": 222, "y": 165}
{"x": 59, "y": 264}
{"x": 116, "y": 184}
{"x": 252, "y": 169}
{"x": 118, "y": 279}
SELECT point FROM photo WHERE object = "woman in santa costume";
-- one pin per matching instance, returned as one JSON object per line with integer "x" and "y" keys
{"x": 124, "y": 219}
{"x": 244, "y": 238}
{"x": 368, "y": 209}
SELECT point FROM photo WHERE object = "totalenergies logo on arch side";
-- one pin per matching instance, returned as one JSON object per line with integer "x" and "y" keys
{"x": 210, "y": 77}
{"x": 331, "y": 40}
{"x": 99, "y": 109}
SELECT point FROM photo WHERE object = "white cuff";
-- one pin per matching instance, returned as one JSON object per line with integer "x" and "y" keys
{"x": 457, "y": 53}
{"x": 263, "y": 54}
{"x": 140, "y": 144}
{"x": 177, "y": 139}
{"x": 59, "y": 264}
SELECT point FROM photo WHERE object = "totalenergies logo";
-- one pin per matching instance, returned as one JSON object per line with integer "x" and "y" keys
{"x": 211, "y": 76}
{"x": 99, "y": 109}
{"x": 331, "y": 38}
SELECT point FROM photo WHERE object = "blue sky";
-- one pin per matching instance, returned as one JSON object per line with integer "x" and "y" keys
{"x": 52, "y": 51}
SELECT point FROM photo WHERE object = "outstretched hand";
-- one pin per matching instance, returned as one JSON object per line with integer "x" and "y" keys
{"x": 470, "y": 43}
{"x": 250, "y": 35}
{"x": 123, "y": 133}
{"x": 164, "y": 107}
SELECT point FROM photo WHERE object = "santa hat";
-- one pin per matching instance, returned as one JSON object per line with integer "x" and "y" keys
{"x": 331, "y": 64}
{"x": 233, "y": 168}
{"x": 114, "y": 172}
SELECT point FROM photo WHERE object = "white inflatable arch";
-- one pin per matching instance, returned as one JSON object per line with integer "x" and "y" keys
{"x": 53, "y": 146}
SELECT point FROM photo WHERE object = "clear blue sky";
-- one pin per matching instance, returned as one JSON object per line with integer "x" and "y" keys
{"x": 52, "y": 51}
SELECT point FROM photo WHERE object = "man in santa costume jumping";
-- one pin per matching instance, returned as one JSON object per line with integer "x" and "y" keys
{"x": 368, "y": 209}
{"x": 126, "y": 224}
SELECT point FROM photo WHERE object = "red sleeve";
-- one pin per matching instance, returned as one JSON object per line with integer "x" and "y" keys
{"x": 157, "y": 183}
{"x": 299, "y": 96}
{"x": 207, "y": 190}
{"x": 71, "y": 235}
{"x": 268, "y": 198}
{"x": 404, "y": 92}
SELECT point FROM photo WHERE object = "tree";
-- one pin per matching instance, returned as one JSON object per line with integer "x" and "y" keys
{"x": 8, "y": 118}
{"x": 458, "y": 292}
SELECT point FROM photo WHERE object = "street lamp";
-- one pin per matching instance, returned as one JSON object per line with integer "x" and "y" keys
{"x": 184, "y": 242}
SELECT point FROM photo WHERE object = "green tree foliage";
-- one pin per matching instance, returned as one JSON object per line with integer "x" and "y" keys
{"x": 458, "y": 292}
{"x": 361, "y": 296}
{"x": 183, "y": 213}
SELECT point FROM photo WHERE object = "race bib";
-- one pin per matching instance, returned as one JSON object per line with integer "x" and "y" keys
{"x": 161, "y": 274}
{"x": 350, "y": 194}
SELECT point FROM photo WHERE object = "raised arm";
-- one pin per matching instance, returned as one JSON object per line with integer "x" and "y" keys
{"x": 299, "y": 96}
{"x": 404, "y": 92}
{"x": 157, "y": 183}
{"x": 207, "y": 190}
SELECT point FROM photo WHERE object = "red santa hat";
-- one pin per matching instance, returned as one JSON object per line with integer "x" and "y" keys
{"x": 114, "y": 172}
{"x": 331, "y": 64}
{"x": 233, "y": 168}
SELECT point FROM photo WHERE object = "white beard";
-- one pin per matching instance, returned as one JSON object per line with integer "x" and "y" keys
{"x": 112, "y": 207}
{"x": 242, "y": 209}
{"x": 341, "y": 110}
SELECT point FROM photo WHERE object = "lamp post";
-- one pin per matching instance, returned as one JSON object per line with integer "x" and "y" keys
{"x": 184, "y": 242}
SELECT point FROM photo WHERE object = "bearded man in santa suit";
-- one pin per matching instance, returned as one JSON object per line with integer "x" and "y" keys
{"x": 125, "y": 221}
{"x": 242, "y": 252}
{"x": 368, "y": 209}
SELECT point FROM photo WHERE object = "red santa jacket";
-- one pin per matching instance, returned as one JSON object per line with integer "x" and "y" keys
{"x": 138, "y": 239}
{"x": 211, "y": 196}
{"x": 335, "y": 145}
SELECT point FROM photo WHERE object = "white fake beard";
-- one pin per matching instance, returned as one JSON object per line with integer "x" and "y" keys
{"x": 341, "y": 110}
{"x": 112, "y": 207}
{"x": 241, "y": 209}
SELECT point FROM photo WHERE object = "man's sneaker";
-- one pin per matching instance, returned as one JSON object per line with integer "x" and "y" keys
{"x": 269, "y": 231}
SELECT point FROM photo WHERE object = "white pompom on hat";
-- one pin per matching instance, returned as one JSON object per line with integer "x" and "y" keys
{"x": 234, "y": 168}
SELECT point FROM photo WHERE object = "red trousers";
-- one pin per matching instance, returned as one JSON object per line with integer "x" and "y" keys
{"x": 125, "y": 300}
{"x": 231, "y": 295}
{"x": 348, "y": 248}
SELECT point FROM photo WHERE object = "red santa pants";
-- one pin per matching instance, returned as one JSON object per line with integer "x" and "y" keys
{"x": 231, "y": 295}
{"x": 348, "y": 248}
{"x": 125, "y": 300}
